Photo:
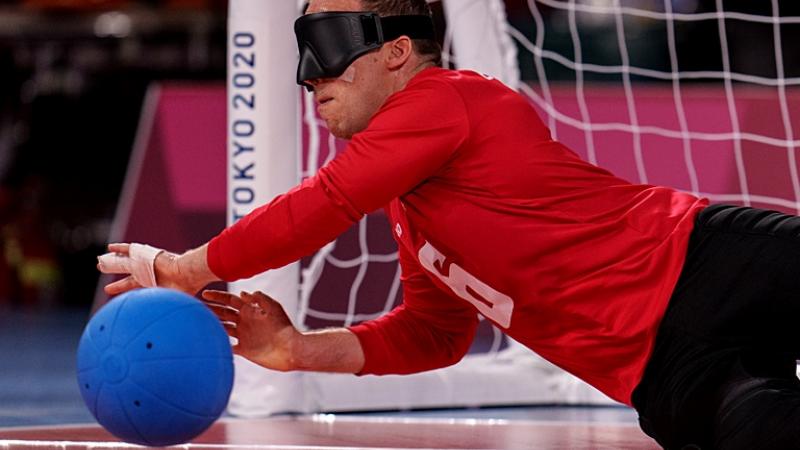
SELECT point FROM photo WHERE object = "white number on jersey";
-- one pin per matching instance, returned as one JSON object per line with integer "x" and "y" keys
{"x": 494, "y": 305}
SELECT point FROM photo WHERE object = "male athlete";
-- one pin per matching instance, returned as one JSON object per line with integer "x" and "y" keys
{"x": 682, "y": 310}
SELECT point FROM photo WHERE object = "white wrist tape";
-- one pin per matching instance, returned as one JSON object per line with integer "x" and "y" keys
{"x": 139, "y": 263}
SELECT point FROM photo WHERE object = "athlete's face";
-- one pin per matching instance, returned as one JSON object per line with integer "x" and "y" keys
{"x": 348, "y": 102}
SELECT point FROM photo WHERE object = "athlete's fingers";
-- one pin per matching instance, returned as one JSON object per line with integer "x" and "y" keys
{"x": 114, "y": 263}
{"x": 262, "y": 297}
{"x": 119, "y": 248}
{"x": 263, "y": 303}
{"x": 259, "y": 298}
{"x": 223, "y": 298}
{"x": 124, "y": 285}
{"x": 225, "y": 313}
{"x": 216, "y": 306}
{"x": 260, "y": 303}
{"x": 231, "y": 329}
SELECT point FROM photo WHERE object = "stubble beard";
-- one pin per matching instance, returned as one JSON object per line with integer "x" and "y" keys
{"x": 339, "y": 132}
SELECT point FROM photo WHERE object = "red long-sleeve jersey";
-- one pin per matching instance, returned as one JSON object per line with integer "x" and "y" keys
{"x": 491, "y": 216}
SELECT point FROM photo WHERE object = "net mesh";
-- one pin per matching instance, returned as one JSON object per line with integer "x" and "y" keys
{"x": 694, "y": 95}
{"x": 691, "y": 94}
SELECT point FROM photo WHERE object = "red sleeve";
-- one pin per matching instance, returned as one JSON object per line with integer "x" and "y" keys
{"x": 431, "y": 329}
{"x": 291, "y": 226}
{"x": 413, "y": 135}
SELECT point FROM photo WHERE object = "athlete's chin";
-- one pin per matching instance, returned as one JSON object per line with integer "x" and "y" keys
{"x": 340, "y": 130}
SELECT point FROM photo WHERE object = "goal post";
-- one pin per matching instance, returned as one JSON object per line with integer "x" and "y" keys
{"x": 501, "y": 372}
{"x": 263, "y": 162}
{"x": 478, "y": 32}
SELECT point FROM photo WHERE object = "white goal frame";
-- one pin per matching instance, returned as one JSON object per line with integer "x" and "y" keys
{"x": 264, "y": 123}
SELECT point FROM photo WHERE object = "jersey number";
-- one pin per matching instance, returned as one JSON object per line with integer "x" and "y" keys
{"x": 494, "y": 305}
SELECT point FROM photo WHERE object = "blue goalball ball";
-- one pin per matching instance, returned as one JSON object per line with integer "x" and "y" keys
{"x": 155, "y": 367}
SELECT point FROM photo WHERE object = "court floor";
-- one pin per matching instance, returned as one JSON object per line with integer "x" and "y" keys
{"x": 333, "y": 432}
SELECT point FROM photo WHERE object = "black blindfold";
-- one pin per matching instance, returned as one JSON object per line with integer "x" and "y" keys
{"x": 330, "y": 41}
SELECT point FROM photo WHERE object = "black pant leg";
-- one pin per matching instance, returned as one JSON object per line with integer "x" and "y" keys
{"x": 756, "y": 412}
{"x": 737, "y": 302}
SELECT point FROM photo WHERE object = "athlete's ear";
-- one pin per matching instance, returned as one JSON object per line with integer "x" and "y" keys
{"x": 399, "y": 51}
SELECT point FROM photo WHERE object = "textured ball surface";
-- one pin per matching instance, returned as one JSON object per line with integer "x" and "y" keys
{"x": 155, "y": 367}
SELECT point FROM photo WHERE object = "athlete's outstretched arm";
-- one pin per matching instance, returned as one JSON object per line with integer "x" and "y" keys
{"x": 429, "y": 330}
{"x": 416, "y": 132}
{"x": 412, "y": 137}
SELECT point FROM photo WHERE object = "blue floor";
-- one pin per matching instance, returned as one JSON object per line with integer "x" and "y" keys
{"x": 38, "y": 384}
{"x": 37, "y": 368}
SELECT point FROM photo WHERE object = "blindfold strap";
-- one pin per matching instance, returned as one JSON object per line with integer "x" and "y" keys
{"x": 382, "y": 29}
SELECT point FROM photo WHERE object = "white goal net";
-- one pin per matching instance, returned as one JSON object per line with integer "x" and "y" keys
{"x": 687, "y": 93}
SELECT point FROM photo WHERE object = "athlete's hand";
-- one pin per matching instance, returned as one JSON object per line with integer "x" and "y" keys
{"x": 266, "y": 335}
{"x": 188, "y": 272}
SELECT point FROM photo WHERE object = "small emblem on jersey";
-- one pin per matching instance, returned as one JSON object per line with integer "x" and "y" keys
{"x": 494, "y": 305}
{"x": 399, "y": 230}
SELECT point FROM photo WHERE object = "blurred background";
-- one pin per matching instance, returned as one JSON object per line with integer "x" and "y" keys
{"x": 73, "y": 74}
